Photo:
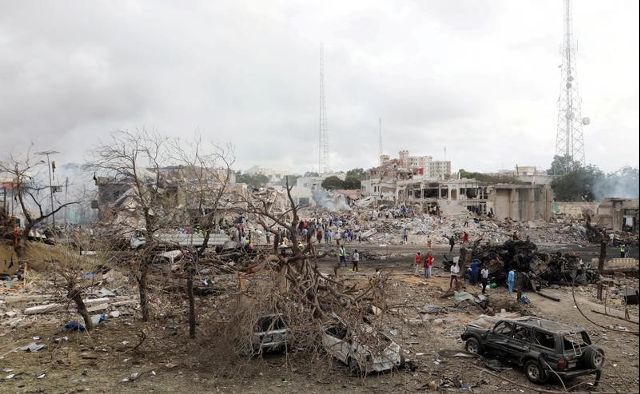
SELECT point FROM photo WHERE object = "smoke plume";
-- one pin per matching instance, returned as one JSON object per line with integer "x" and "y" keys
{"x": 621, "y": 184}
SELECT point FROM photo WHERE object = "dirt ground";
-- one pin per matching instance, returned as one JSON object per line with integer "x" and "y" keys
{"x": 167, "y": 361}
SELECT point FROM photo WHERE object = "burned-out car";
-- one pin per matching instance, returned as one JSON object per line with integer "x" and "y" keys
{"x": 543, "y": 347}
{"x": 271, "y": 333}
{"x": 363, "y": 349}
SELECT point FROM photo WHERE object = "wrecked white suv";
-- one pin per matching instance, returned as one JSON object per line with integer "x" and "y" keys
{"x": 364, "y": 350}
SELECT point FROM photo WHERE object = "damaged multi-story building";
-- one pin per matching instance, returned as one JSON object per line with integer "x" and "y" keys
{"x": 116, "y": 199}
{"x": 400, "y": 181}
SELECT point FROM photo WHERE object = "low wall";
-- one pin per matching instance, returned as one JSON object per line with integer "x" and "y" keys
{"x": 574, "y": 209}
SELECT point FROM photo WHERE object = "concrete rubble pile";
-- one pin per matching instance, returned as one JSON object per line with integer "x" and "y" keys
{"x": 112, "y": 297}
{"x": 386, "y": 226}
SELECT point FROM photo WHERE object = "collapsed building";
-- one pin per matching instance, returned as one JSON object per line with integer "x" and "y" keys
{"x": 118, "y": 203}
{"x": 401, "y": 181}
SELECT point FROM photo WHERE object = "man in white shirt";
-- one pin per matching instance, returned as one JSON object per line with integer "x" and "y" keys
{"x": 484, "y": 277}
{"x": 455, "y": 270}
{"x": 355, "y": 259}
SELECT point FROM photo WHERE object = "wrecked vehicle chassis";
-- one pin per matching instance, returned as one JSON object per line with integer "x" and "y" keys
{"x": 543, "y": 347}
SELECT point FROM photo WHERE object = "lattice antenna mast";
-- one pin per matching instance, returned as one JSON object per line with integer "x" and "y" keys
{"x": 323, "y": 146}
{"x": 380, "y": 140}
{"x": 569, "y": 136}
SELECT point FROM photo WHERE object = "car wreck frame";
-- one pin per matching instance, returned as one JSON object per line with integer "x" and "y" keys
{"x": 543, "y": 347}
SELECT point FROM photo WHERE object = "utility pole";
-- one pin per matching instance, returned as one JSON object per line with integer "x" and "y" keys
{"x": 66, "y": 189}
{"x": 47, "y": 153}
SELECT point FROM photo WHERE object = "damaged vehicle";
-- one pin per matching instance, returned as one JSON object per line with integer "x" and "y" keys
{"x": 271, "y": 333}
{"x": 363, "y": 351}
{"x": 543, "y": 347}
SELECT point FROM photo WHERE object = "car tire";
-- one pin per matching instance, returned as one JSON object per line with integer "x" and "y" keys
{"x": 472, "y": 345}
{"x": 594, "y": 357}
{"x": 535, "y": 372}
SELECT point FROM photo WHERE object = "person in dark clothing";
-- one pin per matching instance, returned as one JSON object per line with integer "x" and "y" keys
{"x": 452, "y": 242}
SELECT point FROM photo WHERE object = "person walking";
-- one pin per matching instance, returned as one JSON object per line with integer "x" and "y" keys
{"x": 511, "y": 280}
{"x": 484, "y": 277}
{"x": 455, "y": 271}
{"x": 428, "y": 263}
{"x": 418, "y": 260}
{"x": 452, "y": 242}
{"x": 405, "y": 235}
{"x": 623, "y": 251}
{"x": 355, "y": 259}
{"x": 342, "y": 256}
{"x": 465, "y": 237}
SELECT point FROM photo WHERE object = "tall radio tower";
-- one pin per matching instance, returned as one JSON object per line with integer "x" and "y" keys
{"x": 323, "y": 146}
{"x": 569, "y": 138}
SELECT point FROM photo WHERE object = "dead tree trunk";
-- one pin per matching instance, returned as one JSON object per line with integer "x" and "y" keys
{"x": 602, "y": 257}
{"x": 142, "y": 288}
{"x": 192, "y": 301}
{"x": 76, "y": 296}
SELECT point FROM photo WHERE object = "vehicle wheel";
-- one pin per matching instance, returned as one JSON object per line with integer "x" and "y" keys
{"x": 473, "y": 346}
{"x": 535, "y": 372}
{"x": 594, "y": 357}
{"x": 354, "y": 368}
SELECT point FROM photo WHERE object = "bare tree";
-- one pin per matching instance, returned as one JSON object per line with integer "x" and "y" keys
{"x": 68, "y": 268}
{"x": 30, "y": 193}
{"x": 135, "y": 159}
{"x": 205, "y": 178}
{"x": 310, "y": 299}
{"x": 320, "y": 294}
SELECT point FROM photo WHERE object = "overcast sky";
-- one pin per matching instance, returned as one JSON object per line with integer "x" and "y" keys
{"x": 480, "y": 78}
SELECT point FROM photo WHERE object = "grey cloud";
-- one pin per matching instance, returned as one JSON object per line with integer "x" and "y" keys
{"x": 439, "y": 73}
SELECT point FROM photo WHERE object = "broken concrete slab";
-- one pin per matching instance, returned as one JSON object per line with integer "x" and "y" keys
{"x": 105, "y": 293}
{"x": 94, "y": 304}
{"x": 28, "y": 298}
{"x": 35, "y": 310}
{"x": 99, "y": 307}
